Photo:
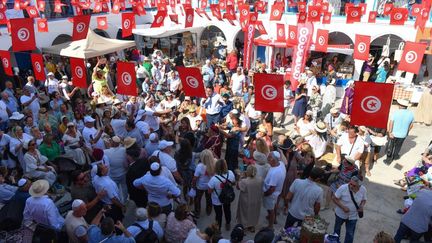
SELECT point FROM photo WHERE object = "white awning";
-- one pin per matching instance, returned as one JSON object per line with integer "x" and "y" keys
{"x": 161, "y": 32}
{"x": 342, "y": 49}
{"x": 94, "y": 45}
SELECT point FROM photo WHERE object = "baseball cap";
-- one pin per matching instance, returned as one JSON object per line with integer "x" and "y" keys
{"x": 165, "y": 144}
{"x": 88, "y": 119}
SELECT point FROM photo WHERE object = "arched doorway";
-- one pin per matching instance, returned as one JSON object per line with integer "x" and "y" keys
{"x": 63, "y": 38}
{"x": 339, "y": 38}
{"x": 101, "y": 33}
{"x": 377, "y": 44}
{"x": 239, "y": 44}
{"x": 212, "y": 42}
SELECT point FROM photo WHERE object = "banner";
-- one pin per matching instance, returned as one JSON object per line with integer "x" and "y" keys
{"x": 126, "y": 78}
{"x": 371, "y": 104}
{"x": 6, "y": 62}
{"x": 321, "y": 41}
{"x": 361, "y": 47}
{"x": 292, "y": 35}
{"x": 32, "y": 12}
{"x": 80, "y": 27}
{"x": 128, "y": 23}
{"x": 300, "y": 52}
{"x": 79, "y": 72}
{"x": 398, "y": 16}
{"x": 42, "y": 25}
{"x": 314, "y": 14}
{"x": 372, "y": 16}
{"x": 244, "y": 10}
{"x": 248, "y": 46}
{"x": 102, "y": 23}
{"x": 326, "y": 18}
{"x": 412, "y": 57}
{"x": 276, "y": 12}
{"x": 269, "y": 92}
{"x": 189, "y": 18}
{"x": 22, "y": 32}
{"x": 216, "y": 11}
{"x": 38, "y": 66}
{"x": 192, "y": 81}
{"x": 159, "y": 19}
{"x": 260, "y": 27}
{"x": 280, "y": 30}
{"x": 353, "y": 15}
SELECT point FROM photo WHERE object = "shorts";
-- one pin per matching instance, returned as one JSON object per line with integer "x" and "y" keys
{"x": 269, "y": 202}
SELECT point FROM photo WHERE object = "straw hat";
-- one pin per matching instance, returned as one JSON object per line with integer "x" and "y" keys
{"x": 129, "y": 141}
{"x": 403, "y": 102}
{"x": 320, "y": 127}
{"x": 39, "y": 188}
{"x": 16, "y": 116}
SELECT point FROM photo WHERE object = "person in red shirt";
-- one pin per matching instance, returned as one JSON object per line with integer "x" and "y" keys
{"x": 232, "y": 61}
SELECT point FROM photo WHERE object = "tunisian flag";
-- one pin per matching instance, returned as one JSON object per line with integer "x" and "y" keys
{"x": 321, "y": 40}
{"x": 22, "y": 32}
{"x": 353, "y": 15}
{"x": 361, "y": 48}
{"x": 276, "y": 11}
{"x": 292, "y": 35}
{"x": 326, "y": 18}
{"x": 248, "y": 45}
{"x": 260, "y": 26}
{"x": 159, "y": 19}
{"x": 6, "y": 62}
{"x": 80, "y": 27}
{"x": 126, "y": 78}
{"x": 412, "y": 57}
{"x": 42, "y": 25}
{"x": 280, "y": 29}
{"x": 102, "y": 23}
{"x": 189, "y": 18}
{"x": 79, "y": 73}
{"x": 371, "y": 104}
{"x": 314, "y": 14}
{"x": 128, "y": 23}
{"x": 372, "y": 16}
{"x": 269, "y": 93}
{"x": 398, "y": 16}
{"x": 38, "y": 66}
{"x": 216, "y": 11}
{"x": 192, "y": 81}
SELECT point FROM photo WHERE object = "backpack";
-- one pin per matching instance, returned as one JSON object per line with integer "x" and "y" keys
{"x": 227, "y": 194}
{"x": 146, "y": 235}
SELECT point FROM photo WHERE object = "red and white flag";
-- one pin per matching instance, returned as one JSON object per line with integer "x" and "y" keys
{"x": 353, "y": 15}
{"x": 139, "y": 9}
{"x": 244, "y": 10}
{"x": 269, "y": 93}
{"x": 159, "y": 19}
{"x": 6, "y": 62}
{"x": 260, "y": 26}
{"x": 371, "y": 104}
{"x": 280, "y": 32}
{"x": 115, "y": 7}
{"x": 398, "y": 16}
{"x": 300, "y": 52}
{"x": 301, "y": 17}
{"x": 174, "y": 18}
{"x": 189, "y": 18}
{"x": 192, "y": 81}
{"x": 222, "y": 4}
{"x": 321, "y": 41}
{"x": 79, "y": 72}
{"x": 276, "y": 12}
{"x": 22, "y": 32}
{"x": 363, "y": 7}
{"x": 41, "y": 5}
{"x": 314, "y": 14}
{"x": 38, "y": 66}
{"x": 126, "y": 78}
{"x": 292, "y": 35}
{"x": 32, "y": 12}
{"x": 422, "y": 18}
{"x": 3, "y": 18}
{"x": 128, "y": 24}
{"x": 97, "y": 8}
{"x": 230, "y": 13}
{"x": 80, "y": 27}
{"x": 261, "y": 6}
{"x": 416, "y": 9}
{"x": 326, "y": 18}
{"x": 372, "y": 16}
{"x": 412, "y": 57}
{"x": 361, "y": 48}
{"x": 248, "y": 46}
{"x": 58, "y": 6}
{"x": 102, "y": 23}
{"x": 301, "y": 6}
{"x": 216, "y": 11}
{"x": 387, "y": 8}
{"x": 324, "y": 7}
{"x": 42, "y": 25}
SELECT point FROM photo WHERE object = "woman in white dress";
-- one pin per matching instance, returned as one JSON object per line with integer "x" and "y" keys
{"x": 74, "y": 144}
{"x": 35, "y": 164}
{"x": 16, "y": 145}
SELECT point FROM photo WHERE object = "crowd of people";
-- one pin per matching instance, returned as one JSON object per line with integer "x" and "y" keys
{"x": 163, "y": 151}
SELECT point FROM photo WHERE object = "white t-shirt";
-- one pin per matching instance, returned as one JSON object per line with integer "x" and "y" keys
{"x": 117, "y": 160}
{"x": 166, "y": 104}
{"x": 143, "y": 127}
{"x": 34, "y": 106}
{"x": 193, "y": 121}
{"x": 52, "y": 85}
{"x": 166, "y": 160}
{"x": 4, "y": 116}
{"x": 215, "y": 184}
{"x": 346, "y": 146}
{"x": 318, "y": 145}
{"x": 193, "y": 237}
{"x": 152, "y": 121}
{"x": 118, "y": 126}
{"x": 252, "y": 113}
{"x": 90, "y": 134}
{"x": 203, "y": 178}
{"x": 306, "y": 194}
{"x": 305, "y": 128}
{"x": 237, "y": 83}
{"x": 343, "y": 194}
{"x": 288, "y": 94}
{"x": 275, "y": 177}
{"x": 174, "y": 84}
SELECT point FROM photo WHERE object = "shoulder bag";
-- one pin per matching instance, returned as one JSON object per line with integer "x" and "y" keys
{"x": 360, "y": 214}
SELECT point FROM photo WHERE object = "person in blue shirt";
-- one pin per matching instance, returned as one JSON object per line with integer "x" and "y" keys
{"x": 401, "y": 122}
{"x": 104, "y": 231}
{"x": 228, "y": 105}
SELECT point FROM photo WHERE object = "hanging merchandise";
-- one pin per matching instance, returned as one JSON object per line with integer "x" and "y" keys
{"x": 386, "y": 48}
{"x": 399, "y": 51}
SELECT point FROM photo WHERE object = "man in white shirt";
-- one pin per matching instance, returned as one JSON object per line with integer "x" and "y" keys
{"x": 75, "y": 224}
{"x": 238, "y": 82}
{"x": 273, "y": 184}
{"x": 213, "y": 104}
{"x": 153, "y": 143}
{"x": 31, "y": 101}
{"x": 350, "y": 144}
{"x": 164, "y": 155}
{"x": 305, "y": 197}
{"x": 151, "y": 115}
{"x": 51, "y": 84}
{"x": 346, "y": 211}
{"x": 194, "y": 119}
{"x": 310, "y": 82}
{"x": 118, "y": 166}
{"x": 142, "y": 126}
{"x": 92, "y": 137}
{"x": 280, "y": 117}
{"x": 4, "y": 115}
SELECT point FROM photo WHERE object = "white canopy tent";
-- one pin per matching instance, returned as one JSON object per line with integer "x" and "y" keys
{"x": 145, "y": 30}
{"x": 94, "y": 45}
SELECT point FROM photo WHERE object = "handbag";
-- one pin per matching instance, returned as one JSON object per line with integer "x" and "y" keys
{"x": 360, "y": 214}
{"x": 386, "y": 48}
{"x": 399, "y": 51}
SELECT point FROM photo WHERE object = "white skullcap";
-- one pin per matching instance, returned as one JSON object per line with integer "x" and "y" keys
{"x": 116, "y": 139}
{"x": 77, "y": 203}
{"x": 141, "y": 214}
{"x": 22, "y": 182}
{"x": 154, "y": 166}
{"x": 276, "y": 154}
{"x": 153, "y": 137}
{"x": 235, "y": 111}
